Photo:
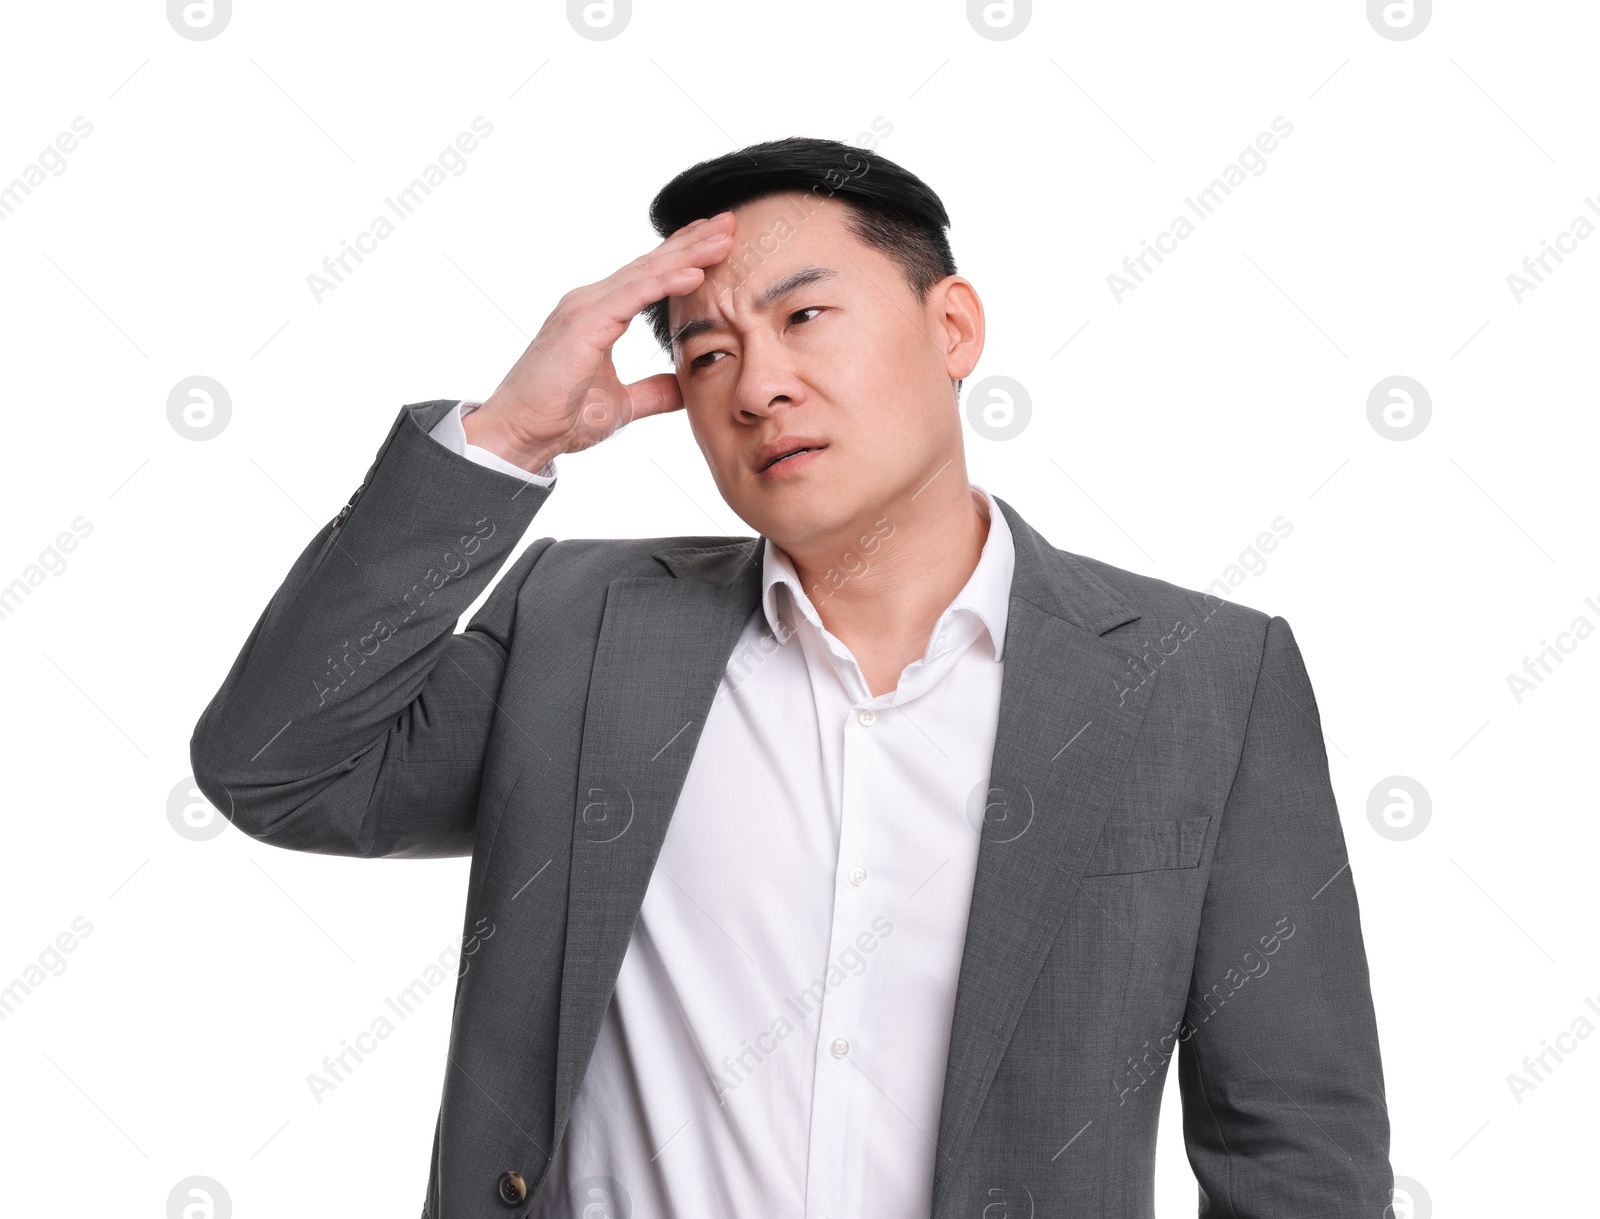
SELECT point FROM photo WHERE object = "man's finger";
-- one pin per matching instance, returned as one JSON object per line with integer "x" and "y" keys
{"x": 654, "y": 396}
{"x": 696, "y": 229}
{"x": 693, "y": 245}
{"x": 702, "y": 251}
{"x": 621, "y": 306}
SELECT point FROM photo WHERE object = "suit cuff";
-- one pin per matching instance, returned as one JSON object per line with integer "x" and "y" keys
{"x": 450, "y": 433}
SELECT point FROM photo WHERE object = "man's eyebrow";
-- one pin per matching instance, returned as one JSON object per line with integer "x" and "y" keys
{"x": 800, "y": 278}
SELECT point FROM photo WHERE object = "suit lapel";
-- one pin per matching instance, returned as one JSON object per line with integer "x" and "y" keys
{"x": 663, "y": 647}
{"x": 1065, "y": 731}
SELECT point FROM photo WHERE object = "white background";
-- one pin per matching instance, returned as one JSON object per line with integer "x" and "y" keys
{"x": 1228, "y": 390}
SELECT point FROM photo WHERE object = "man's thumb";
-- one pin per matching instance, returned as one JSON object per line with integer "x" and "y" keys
{"x": 654, "y": 396}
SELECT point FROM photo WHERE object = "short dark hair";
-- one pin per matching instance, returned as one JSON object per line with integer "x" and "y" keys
{"x": 888, "y": 207}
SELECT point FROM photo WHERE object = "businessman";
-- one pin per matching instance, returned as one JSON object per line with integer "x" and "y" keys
{"x": 879, "y": 864}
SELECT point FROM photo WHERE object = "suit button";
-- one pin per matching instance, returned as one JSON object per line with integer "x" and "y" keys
{"x": 349, "y": 507}
{"x": 344, "y": 513}
{"x": 513, "y": 1189}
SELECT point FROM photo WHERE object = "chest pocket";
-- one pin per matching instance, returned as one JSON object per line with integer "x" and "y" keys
{"x": 1148, "y": 846}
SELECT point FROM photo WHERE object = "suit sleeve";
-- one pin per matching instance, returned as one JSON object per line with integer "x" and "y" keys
{"x": 451, "y": 432}
{"x": 354, "y": 721}
{"x": 1283, "y": 1098}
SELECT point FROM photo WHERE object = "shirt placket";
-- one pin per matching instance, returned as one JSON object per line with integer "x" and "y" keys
{"x": 843, "y": 1047}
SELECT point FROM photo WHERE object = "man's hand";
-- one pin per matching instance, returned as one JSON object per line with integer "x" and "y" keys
{"x": 563, "y": 395}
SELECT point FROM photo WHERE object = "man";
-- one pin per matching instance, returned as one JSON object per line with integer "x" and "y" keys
{"x": 875, "y": 865}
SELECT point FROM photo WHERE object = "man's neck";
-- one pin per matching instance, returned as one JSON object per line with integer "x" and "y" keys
{"x": 882, "y": 597}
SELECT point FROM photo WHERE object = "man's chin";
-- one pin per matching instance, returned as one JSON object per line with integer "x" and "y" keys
{"x": 809, "y": 521}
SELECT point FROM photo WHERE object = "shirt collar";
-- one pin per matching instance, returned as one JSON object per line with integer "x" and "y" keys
{"x": 986, "y": 594}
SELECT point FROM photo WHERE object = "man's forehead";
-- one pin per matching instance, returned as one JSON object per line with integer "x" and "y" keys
{"x": 762, "y": 290}
{"x": 774, "y": 237}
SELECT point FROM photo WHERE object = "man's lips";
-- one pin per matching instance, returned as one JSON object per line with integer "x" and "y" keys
{"x": 786, "y": 467}
{"x": 772, "y": 454}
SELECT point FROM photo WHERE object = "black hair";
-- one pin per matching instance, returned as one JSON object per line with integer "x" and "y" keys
{"x": 887, "y": 207}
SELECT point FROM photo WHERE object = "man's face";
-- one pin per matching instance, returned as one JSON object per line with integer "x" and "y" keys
{"x": 805, "y": 335}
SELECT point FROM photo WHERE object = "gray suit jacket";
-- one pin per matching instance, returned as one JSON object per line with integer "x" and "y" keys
{"x": 1162, "y": 872}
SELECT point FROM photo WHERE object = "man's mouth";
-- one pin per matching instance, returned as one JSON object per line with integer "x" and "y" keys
{"x": 793, "y": 453}
{"x": 785, "y": 450}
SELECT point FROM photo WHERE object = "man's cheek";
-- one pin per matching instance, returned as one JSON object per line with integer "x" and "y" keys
{"x": 717, "y": 450}
{"x": 698, "y": 433}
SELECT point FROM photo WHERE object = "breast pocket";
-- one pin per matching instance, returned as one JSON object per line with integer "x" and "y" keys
{"x": 1148, "y": 846}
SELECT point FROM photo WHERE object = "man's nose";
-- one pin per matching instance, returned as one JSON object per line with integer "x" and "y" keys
{"x": 767, "y": 379}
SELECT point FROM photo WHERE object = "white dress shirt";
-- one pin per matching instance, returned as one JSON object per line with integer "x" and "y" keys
{"x": 450, "y": 432}
{"x": 776, "y": 1043}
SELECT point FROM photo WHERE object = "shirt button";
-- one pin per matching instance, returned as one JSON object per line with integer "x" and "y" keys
{"x": 867, "y": 717}
{"x": 857, "y": 875}
{"x": 840, "y": 1047}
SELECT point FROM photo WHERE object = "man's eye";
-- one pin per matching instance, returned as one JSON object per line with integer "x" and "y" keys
{"x": 808, "y": 309}
{"x": 703, "y": 361}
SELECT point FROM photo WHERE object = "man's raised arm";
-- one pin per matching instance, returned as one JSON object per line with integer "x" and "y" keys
{"x": 354, "y": 721}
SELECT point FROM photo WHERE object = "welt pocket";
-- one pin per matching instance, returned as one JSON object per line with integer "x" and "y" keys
{"x": 1148, "y": 846}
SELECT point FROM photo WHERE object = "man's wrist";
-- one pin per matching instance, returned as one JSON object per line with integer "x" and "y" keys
{"x": 484, "y": 429}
